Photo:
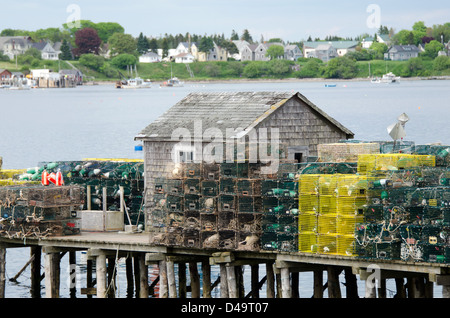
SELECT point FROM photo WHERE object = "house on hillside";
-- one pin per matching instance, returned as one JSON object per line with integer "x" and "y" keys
{"x": 240, "y": 44}
{"x": 184, "y": 133}
{"x": 380, "y": 38}
{"x": 247, "y": 52}
{"x": 183, "y": 47}
{"x": 47, "y": 50}
{"x": 326, "y": 50}
{"x": 14, "y": 45}
{"x": 292, "y": 52}
{"x": 184, "y": 58}
{"x": 261, "y": 49}
{"x": 401, "y": 52}
{"x": 149, "y": 57}
{"x": 217, "y": 53}
{"x": 5, "y": 76}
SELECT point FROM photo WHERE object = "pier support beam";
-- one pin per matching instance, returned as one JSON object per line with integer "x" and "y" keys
{"x": 223, "y": 281}
{"x": 52, "y": 271}
{"x": 206, "y": 274}
{"x": 100, "y": 271}
{"x": 143, "y": 277}
{"x": 35, "y": 269}
{"x": 2, "y": 270}
{"x": 270, "y": 287}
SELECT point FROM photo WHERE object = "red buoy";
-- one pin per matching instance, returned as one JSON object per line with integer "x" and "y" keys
{"x": 44, "y": 177}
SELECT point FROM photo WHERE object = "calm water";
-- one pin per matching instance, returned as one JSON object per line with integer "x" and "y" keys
{"x": 101, "y": 122}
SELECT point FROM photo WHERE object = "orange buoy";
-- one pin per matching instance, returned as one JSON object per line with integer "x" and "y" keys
{"x": 44, "y": 177}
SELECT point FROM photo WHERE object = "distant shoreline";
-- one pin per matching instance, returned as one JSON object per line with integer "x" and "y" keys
{"x": 284, "y": 80}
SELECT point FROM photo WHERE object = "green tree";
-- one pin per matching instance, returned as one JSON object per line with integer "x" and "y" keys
{"x": 275, "y": 51}
{"x": 106, "y": 29}
{"x": 234, "y": 36}
{"x": 441, "y": 63}
{"x": 206, "y": 44}
{"x": 153, "y": 45}
{"x": 379, "y": 49}
{"x": 432, "y": 49}
{"x": 341, "y": 67}
{"x": 312, "y": 68}
{"x": 246, "y": 36}
{"x": 65, "y": 54}
{"x": 252, "y": 70}
{"x": 92, "y": 61}
{"x": 279, "y": 67}
{"x": 413, "y": 67}
{"x": 122, "y": 60}
{"x": 142, "y": 44}
{"x": 35, "y": 53}
{"x": 121, "y": 43}
{"x": 165, "y": 48}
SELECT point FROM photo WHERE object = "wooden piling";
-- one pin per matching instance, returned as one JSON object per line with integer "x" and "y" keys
{"x": 163, "y": 287}
{"x": 2, "y": 270}
{"x": 318, "y": 283}
{"x": 73, "y": 274}
{"x": 206, "y": 274}
{"x": 223, "y": 281}
{"x": 285, "y": 282}
{"x": 334, "y": 289}
{"x": 143, "y": 275}
{"x": 232, "y": 284}
{"x": 171, "y": 279}
{"x": 100, "y": 271}
{"x": 195, "y": 280}
{"x": 52, "y": 271}
{"x": 182, "y": 290}
{"x": 35, "y": 271}
{"x": 130, "y": 276}
{"x": 270, "y": 287}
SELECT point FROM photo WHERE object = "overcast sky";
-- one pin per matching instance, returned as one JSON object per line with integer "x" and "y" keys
{"x": 291, "y": 20}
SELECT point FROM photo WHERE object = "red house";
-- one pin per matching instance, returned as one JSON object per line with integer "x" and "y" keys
{"x": 5, "y": 75}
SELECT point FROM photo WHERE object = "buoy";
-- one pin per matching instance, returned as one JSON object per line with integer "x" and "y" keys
{"x": 44, "y": 177}
{"x": 52, "y": 178}
{"x": 59, "y": 178}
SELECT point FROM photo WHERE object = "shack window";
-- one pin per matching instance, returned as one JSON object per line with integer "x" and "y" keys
{"x": 185, "y": 156}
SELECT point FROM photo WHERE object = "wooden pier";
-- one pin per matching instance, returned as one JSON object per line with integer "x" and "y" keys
{"x": 413, "y": 279}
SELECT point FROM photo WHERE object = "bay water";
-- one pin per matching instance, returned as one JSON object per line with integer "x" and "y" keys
{"x": 101, "y": 121}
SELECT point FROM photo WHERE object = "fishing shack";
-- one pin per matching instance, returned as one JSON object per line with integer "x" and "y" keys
{"x": 210, "y": 126}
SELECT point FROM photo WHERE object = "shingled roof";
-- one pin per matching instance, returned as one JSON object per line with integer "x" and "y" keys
{"x": 224, "y": 110}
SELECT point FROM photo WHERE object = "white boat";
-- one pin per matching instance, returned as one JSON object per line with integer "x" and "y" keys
{"x": 390, "y": 78}
{"x": 173, "y": 82}
{"x": 134, "y": 83}
{"x": 375, "y": 80}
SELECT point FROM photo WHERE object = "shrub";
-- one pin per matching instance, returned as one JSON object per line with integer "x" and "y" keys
{"x": 441, "y": 63}
{"x": 122, "y": 60}
{"x": 92, "y": 61}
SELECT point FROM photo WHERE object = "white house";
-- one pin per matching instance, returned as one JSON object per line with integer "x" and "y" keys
{"x": 149, "y": 57}
{"x": 47, "y": 50}
{"x": 182, "y": 47}
{"x": 184, "y": 58}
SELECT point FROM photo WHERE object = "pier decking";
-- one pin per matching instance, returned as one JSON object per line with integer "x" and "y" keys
{"x": 281, "y": 278}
